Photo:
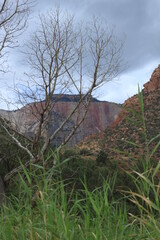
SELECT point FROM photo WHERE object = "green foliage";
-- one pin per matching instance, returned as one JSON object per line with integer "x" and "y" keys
{"x": 41, "y": 208}
{"x": 10, "y": 153}
{"x": 85, "y": 151}
{"x": 69, "y": 153}
{"x": 102, "y": 158}
{"x": 73, "y": 196}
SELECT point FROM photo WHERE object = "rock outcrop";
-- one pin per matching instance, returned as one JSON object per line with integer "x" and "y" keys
{"x": 150, "y": 91}
{"x": 128, "y": 134}
{"x": 125, "y": 140}
{"x": 154, "y": 82}
{"x": 101, "y": 114}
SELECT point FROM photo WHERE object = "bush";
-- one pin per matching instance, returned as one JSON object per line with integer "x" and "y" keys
{"x": 102, "y": 158}
{"x": 85, "y": 151}
{"x": 69, "y": 153}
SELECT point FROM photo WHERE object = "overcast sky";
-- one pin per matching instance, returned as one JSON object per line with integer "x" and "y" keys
{"x": 137, "y": 20}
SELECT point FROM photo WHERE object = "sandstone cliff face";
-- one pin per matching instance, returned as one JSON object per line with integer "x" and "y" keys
{"x": 154, "y": 82}
{"x": 100, "y": 115}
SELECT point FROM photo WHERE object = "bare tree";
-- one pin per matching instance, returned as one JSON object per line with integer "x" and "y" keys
{"x": 13, "y": 19}
{"x": 64, "y": 58}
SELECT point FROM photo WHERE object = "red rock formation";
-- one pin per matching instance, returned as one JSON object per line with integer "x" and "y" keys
{"x": 154, "y": 82}
{"x": 124, "y": 130}
{"x": 152, "y": 85}
{"x": 100, "y": 115}
{"x": 125, "y": 140}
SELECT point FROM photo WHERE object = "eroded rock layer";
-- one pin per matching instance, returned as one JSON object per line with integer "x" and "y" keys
{"x": 100, "y": 115}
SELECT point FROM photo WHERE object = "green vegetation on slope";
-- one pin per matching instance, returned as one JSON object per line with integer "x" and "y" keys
{"x": 73, "y": 195}
{"x": 10, "y": 153}
{"x": 44, "y": 206}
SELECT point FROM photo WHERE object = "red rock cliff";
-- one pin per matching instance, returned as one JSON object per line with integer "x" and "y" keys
{"x": 152, "y": 85}
{"x": 129, "y": 128}
{"x": 100, "y": 115}
{"x": 154, "y": 82}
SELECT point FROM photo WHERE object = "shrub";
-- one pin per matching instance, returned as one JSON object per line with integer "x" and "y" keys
{"x": 102, "y": 158}
{"x": 85, "y": 151}
{"x": 69, "y": 153}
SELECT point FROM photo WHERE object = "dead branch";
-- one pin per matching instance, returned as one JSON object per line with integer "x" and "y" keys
{"x": 63, "y": 58}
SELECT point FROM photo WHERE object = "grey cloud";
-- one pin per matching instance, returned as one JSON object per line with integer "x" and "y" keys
{"x": 139, "y": 20}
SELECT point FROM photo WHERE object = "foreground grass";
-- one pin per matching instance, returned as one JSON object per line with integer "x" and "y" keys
{"x": 42, "y": 208}
{"x": 45, "y": 205}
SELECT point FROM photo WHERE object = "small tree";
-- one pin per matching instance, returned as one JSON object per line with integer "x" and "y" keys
{"x": 64, "y": 58}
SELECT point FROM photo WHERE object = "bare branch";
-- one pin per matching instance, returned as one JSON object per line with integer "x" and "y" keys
{"x": 64, "y": 58}
{"x": 5, "y": 126}
{"x": 13, "y": 20}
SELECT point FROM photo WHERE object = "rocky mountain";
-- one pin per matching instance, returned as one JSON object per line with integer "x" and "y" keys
{"x": 100, "y": 115}
{"x": 125, "y": 140}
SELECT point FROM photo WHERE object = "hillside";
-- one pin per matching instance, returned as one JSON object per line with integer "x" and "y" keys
{"x": 124, "y": 140}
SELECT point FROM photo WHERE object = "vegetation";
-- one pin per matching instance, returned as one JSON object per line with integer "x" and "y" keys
{"x": 71, "y": 196}
{"x": 47, "y": 211}
{"x": 45, "y": 206}
{"x": 10, "y": 152}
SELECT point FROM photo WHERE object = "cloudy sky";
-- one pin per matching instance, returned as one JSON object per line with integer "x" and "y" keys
{"x": 137, "y": 20}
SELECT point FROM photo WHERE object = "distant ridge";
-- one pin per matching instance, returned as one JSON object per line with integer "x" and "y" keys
{"x": 100, "y": 115}
{"x": 70, "y": 98}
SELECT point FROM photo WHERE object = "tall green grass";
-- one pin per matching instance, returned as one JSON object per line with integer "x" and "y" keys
{"x": 44, "y": 205}
{"x": 42, "y": 208}
{"x": 146, "y": 194}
